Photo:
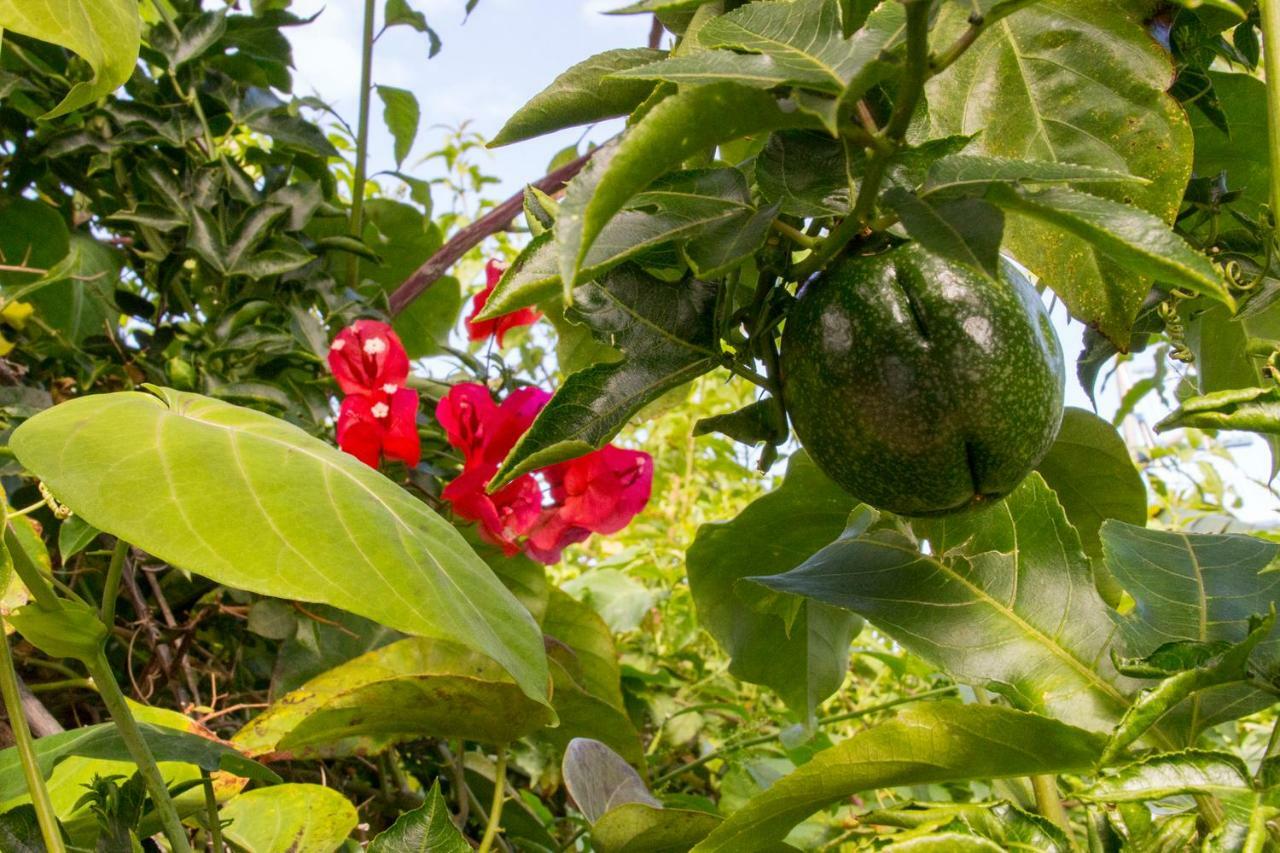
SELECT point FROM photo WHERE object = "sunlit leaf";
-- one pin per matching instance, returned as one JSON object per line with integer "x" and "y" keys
{"x": 290, "y": 818}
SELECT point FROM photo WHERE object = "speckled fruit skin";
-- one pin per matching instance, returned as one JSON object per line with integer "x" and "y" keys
{"x": 919, "y": 386}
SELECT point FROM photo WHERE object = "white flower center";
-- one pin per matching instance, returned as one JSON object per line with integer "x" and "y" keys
{"x": 380, "y": 410}
{"x": 373, "y": 346}
{"x": 337, "y": 345}
{"x": 391, "y": 387}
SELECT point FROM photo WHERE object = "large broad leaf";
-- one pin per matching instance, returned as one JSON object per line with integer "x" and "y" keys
{"x": 599, "y": 780}
{"x": 427, "y": 829}
{"x": 105, "y": 33}
{"x": 1089, "y": 468}
{"x": 410, "y": 689}
{"x": 798, "y": 647}
{"x": 289, "y": 819}
{"x": 255, "y": 503}
{"x": 1242, "y": 154}
{"x": 103, "y": 743}
{"x": 77, "y": 298}
{"x": 682, "y": 125}
{"x": 1073, "y": 81}
{"x": 640, "y": 828}
{"x": 1196, "y": 587}
{"x": 585, "y": 93}
{"x": 1005, "y": 600}
{"x": 805, "y": 173}
{"x": 931, "y": 744}
{"x": 666, "y": 330}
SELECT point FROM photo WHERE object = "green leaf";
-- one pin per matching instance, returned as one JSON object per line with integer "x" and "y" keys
{"x": 805, "y": 173}
{"x": 330, "y": 639}
{"x": 966, "y": 231}
{"x": 532, "y": 278}
{"x": 682, "y": 125}
{"x": 1090, "y": 470}
{"x": 642, "y": 7}
{"x": 757, "y": 423}
{"x": 104, "y": 33}
{"x": 586, "y": 93}
{"x": 999, "y": 821}
{"x": 407, "y": 690}
{"x": 931, "y": 744}
{"x": 237, "y": 494}
{"x": 666, "y": 331}
{"x": 1251, "y": 409}
{"x": 1071, "y": 81}
{"x": 289, "y": 818}
{"x": 74, "y": 535}
{"x": 401, "y": 114}
{"x": 1215, "y": 774}
{"x": 1151, "y": 705}
{"x": 1195, "y": 587}
{"x": 971, "y": 173}
{"x": 804, "y": 659}
{"x": 200, "y": 34}
{"x": 73, "y": 631}
{"x": 427, "y": 829}
{"x": 32, "y": 234}
{"x": 20, "y": 831}
{"x": 103, "y": 743}
{"x": 599, "y": 780}
{"x": 640, "y": 828}
{"x": 1242, "y": 153}
{"x": 1017, "y": 570}
{"x": 75, "y": 297}
{"x": 1127, "y": 236}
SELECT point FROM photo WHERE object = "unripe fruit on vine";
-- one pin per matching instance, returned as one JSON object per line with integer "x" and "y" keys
{"x": 920, "y": 386}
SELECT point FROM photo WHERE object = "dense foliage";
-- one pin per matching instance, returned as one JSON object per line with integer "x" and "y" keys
{"x": 306, "y": 551}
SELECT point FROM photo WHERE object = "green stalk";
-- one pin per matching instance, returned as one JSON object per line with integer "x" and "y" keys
{"x": 1269, "y": 12}
{"x": 1049, "y": 803}
{"x": 499, "y": 797}
{"x": 45, "y": 814}
{"x": 362, "y": 137}
{"x": 113, "y": 698}
{"x": 111, "y": 588}
{"x": 211, "y": 808}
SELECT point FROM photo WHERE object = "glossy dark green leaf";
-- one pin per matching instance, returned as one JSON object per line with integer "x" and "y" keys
{"x": 103, "y": 741}
{"x": 1195, "y": 587}
{"x": 1129, "y": 237}
{"x": 682, "y": 125}
{"x": 929, "y": 744}
{"x": 289, "y": 818}
{"x": 358, "y": 541}
{"x": 1150, "y": 705}
{"x": 200, "y": 34}
{"x": 803, "y": 658}
{"x": 806, "y": 173}
{"x": 1251, "y": 409}
{"x": 1090, "y": 470}
{"x": 966, "y": 231}
{"x": 105, "y": 33}
{"x": 427, "y": 829}
{"x": 532, "y": 278}
{"x": 1063, "y": 80}
{"x": 586, "y": 93}
{"x": 975, "y": 173}
{"x": 1006, "y": 601}
{"x": 666, "y": 331}
{"x": 598, "y": 779}
{"x": 401, "y": 114}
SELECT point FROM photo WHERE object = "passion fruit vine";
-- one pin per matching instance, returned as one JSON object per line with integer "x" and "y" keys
{"x": 920, "y": 386}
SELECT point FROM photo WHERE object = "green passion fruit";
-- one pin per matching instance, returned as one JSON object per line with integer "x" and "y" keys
{"x": 920, "y": 386}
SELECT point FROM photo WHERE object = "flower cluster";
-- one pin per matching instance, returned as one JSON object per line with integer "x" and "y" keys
{"x": 499, "y": 326}
{"x": 597, "y": 493}
{"x": 378, "y": 416}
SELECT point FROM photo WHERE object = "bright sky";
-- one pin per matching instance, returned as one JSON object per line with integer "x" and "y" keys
{"x": 507, "y": 52}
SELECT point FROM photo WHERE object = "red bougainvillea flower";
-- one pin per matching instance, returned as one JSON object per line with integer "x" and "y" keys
{"x": 499, "y": 326}
{"x": 485, "y": 432}
{"x": 371, "y": 426}
{"x": 597, "y": 493}
{"x": 368, "y": 358}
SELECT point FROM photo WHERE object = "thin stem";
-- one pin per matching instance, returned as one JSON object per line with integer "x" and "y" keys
{"x": 362, "y": 138}
{"x": 211, "y": 808}
{"x": 113, "y": 698}
{"x": 915, "y": 73}
{"x": 795, "y": 235}
{"x": 821, "y": 721}
{"x": 189, "y": 95}
{"x": 45, "y": 814}
{"x": 977, "y": 26}
{"x": 32, "y": 578}
{"x": 1269, "y": 12}
{"x": 1049, "y": 801}
{"x": 499, "y": 797}
{"x": 111, "y": 587}
{"x": 59, "y": 686}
